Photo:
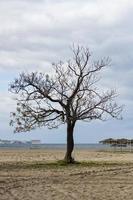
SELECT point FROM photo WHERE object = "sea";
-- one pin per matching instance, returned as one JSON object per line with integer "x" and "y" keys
{"x": 95, "y": 146}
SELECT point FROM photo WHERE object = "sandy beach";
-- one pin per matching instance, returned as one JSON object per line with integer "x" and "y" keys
{"x": 34, "y": 174}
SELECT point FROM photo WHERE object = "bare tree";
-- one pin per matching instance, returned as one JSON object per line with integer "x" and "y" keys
{"x": 69, "y": 95}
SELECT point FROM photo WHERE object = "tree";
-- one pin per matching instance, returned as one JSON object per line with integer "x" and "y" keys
{"x": 70, "y": 94}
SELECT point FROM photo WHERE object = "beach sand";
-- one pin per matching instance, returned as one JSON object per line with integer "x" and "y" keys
{"x": 29, "y": 175}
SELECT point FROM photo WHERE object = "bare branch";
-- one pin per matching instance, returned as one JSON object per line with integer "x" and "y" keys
{"x": 69, "y": 95}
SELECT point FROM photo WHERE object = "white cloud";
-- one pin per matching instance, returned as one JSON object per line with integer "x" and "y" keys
{"x": 33, "y": 34}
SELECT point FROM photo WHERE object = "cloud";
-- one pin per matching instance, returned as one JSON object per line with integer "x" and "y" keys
{"x": 33, "y": 34}
{"x": 48, "y": 28}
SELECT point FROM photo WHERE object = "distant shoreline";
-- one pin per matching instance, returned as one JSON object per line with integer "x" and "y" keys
{"x": 96, "y": 146}
{"x": 54, "y": 146}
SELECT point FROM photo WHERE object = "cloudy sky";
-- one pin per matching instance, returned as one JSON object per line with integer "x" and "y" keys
{"x": 35, "y": 33}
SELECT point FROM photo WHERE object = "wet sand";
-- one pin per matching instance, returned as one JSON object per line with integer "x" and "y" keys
{"x": 26, "y": 175}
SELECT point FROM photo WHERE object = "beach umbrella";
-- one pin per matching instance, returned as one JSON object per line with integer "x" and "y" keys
{"x": 108, "y": 141}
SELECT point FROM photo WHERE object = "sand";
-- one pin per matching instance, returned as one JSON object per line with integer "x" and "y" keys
{"x": 109, "y": 176}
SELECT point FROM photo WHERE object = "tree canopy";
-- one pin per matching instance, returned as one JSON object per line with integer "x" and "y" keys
{"x": 68, "y": 95}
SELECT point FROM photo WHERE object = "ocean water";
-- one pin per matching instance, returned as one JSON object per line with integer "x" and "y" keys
{"x": 96, "y": 146}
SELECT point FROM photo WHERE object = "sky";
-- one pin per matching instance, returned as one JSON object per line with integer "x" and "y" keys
{"x": 34, "y": 34}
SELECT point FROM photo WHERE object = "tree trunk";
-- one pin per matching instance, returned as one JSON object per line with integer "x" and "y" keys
{"x": 70, "y": 143}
